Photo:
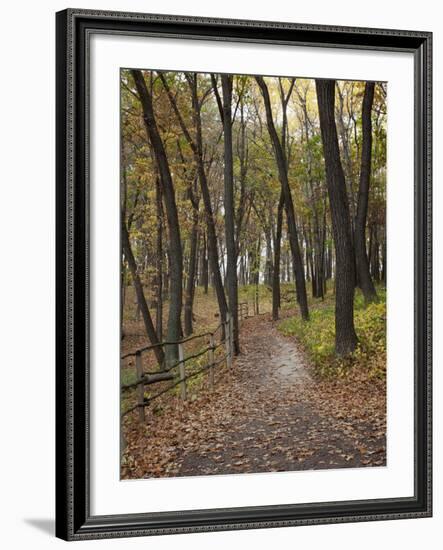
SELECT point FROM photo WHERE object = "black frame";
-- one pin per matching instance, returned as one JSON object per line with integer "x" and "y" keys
{"x": 73, "y": 518}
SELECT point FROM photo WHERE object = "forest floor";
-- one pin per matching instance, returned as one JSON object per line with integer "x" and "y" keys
{"x": 270, "y": 412}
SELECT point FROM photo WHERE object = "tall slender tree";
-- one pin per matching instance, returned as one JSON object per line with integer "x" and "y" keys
{"x": 190, "y": 284}
{"x": 277, "y": 253}
{"x": 345, "y": 336}
{"x": 196, "y": 146}
{"x": 159, "y": 258}
{"x": 364, "y": 276}
{"x": 231, "y": 254}
{"x": 174, "y": 331}
{"x": 281, "y": 160}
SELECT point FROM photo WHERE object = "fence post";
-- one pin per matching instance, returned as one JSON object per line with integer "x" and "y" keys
{"x": 228, "y": 340}
{"x": 140, "y": 387}
{"x": 211, "y": 360}
{"x": 182, "y": 372}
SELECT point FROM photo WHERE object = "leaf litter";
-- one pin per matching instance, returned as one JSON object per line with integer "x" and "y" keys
{"x": 268, "y": 413}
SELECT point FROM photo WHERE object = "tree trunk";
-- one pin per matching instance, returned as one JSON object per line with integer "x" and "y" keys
{"x": 277, "y": 249}
{"x": 345, "y": 337}
{"x": 141, "y": 300}
{"x": 159, "y": 203}
{"x": 383, "y": 257}
{"x": 375, "y": 261}
{"x": 190, "y": 286}
{"x": 123, "y": 199}
{"x": 256, "y": 275}
{"x": 212, "y": 245}
{"x": 280, "y": 156}
{"x": 231, "y": 254}
{"x": 269, "y": 268}
{"x": 174, "y": 331}
{"x": 364, "y": 276}
{"x": 243, "y": 157}
{"x": 204, "y": 266}
{"x": 197, "y": 149}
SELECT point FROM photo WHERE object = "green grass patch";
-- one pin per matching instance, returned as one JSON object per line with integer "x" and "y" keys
{"x": 317, "y": 336}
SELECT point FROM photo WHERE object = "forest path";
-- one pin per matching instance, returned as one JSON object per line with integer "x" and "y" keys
{"x": 267, "y": 414}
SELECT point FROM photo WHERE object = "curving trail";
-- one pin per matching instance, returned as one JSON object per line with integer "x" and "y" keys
{"x": 268, "y": 414}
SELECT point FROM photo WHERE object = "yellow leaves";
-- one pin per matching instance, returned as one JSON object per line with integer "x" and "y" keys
{"x": 318, "y": 337}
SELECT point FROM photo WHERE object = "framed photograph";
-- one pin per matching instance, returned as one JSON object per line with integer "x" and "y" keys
{"x": 243, "y": 274}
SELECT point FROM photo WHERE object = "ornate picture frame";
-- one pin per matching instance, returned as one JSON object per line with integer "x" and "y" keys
{"x": 74, "y": 520}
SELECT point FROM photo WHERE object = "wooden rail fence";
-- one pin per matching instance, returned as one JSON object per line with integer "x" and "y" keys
{"x": 177, "y": 371}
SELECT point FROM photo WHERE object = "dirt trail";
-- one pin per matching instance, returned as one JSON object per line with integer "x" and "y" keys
{"x": 268, "y": 414}
{"x": 279, "y": 426}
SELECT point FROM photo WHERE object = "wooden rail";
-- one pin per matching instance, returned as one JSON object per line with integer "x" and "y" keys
{"x": 177, "y": 371}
